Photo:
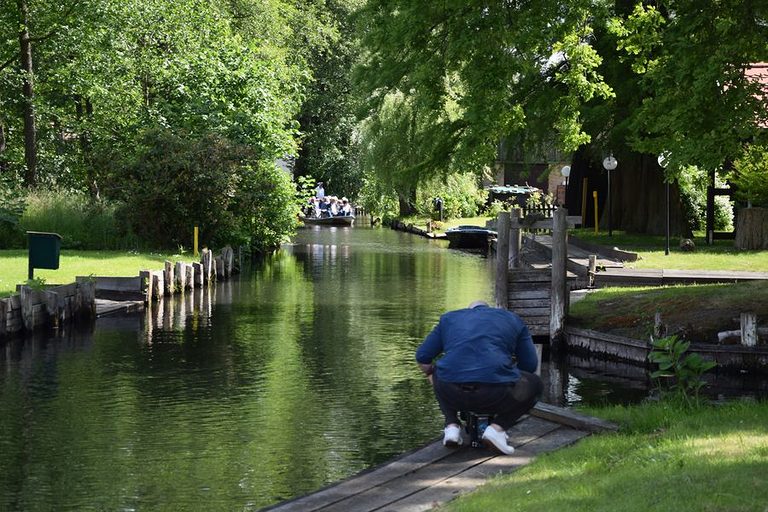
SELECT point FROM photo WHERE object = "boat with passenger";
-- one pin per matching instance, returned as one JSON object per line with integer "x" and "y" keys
{"x": 339, "y": 220}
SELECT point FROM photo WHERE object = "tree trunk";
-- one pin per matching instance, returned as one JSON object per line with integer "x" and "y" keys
{"x": 406, "y": 203}
{"x": 752, "y": 228}
{"x": 30, "y": 130}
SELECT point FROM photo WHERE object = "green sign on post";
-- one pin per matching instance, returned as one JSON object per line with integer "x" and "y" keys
{"x": 44, "y": 250}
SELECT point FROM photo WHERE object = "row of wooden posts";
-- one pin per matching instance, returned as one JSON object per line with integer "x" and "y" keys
{"x": 187, "y": 276}
{"x": 54, "y": 306}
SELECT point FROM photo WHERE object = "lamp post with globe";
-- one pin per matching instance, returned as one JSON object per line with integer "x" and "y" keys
{"x": 663, "y": 162}
{"x": 610, "y": 164}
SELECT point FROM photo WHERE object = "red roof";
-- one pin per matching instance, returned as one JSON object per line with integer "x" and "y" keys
{"x": 759, "y": 72}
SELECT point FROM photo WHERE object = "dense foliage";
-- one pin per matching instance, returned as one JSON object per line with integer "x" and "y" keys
{"x": 107, "y": 82}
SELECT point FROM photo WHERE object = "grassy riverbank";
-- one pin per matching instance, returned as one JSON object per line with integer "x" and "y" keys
{"x": 13, "y": 266}
{"x": 698, "y": 312}
{"x": 722, "y": 255}
{"x": 664, "y": 457}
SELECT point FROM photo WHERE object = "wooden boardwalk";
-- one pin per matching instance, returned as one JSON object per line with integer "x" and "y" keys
{"x": 659, "y": 277}
{"x": 435, "y": 474}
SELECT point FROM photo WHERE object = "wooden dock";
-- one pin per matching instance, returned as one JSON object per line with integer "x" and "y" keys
{"x": 434, "y": 474}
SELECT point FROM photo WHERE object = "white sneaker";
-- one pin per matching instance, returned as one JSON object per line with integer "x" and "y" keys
{"x": 452, "y": 437}
{"x": 497, "y": 441}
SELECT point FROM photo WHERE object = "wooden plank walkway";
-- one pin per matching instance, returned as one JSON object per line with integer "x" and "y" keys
{"x": 435, "y": 474}
{"x": 106, "y": 307}
{"x": 659, "y": 277}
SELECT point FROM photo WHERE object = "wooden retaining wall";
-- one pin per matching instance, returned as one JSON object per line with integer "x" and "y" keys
{"x": 736, "y": 357}
{"x": 53, "y": 306}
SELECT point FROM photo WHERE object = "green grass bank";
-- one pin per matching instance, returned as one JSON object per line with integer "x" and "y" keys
{"x": 665, "y": 457}
{"x": 13, "y": 266}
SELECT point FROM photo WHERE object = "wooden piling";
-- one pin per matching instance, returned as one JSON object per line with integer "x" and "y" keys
{"x": 749, "y": 329}
{"x": 146, "y": 285}
{"x": 592, "y": 270}
{"x": 3, "y": 317}
{"x": 515, "y": 238}
{"x": 218, "y": 267}
{"x": 168, "y": 278}
{"x": 181, "y": 278}
{"x": 558, "y": 302}
{"x": 205, "y": 260}
{"x": 659, "y": 330}
{"x": 502, "y": 260}
{"x": 197, "y": 269}
{"x": 189, "y": 276}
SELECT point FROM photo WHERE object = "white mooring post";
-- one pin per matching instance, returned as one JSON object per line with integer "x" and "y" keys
{"x": 749, "y": 329}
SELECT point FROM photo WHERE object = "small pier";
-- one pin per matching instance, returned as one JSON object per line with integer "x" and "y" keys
{"x": 434, "y": 474}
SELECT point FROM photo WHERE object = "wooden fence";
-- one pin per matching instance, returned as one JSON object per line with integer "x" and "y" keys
{"x": 539, "y": 297}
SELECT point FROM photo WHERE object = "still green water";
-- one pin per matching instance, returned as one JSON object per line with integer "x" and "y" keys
{"x": 292, "y": 376}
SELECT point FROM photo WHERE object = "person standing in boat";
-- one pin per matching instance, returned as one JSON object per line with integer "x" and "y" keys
{"x": 481, "y": 359}
{"x": 320, "y": 191}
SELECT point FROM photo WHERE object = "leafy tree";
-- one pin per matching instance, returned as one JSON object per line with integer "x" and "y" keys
{"x": 691, "y": 58}
{"x": 179, "y": 181}
{"x": 327, "y": 118}
{"x": 476, "y": 72}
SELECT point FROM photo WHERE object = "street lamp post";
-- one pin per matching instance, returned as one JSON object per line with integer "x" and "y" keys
{"x": 663, "y": 161}
{"x": 566, "y": 171}
{"x": 610, "y": 163}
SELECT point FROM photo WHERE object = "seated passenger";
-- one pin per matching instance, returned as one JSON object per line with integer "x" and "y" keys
{"x": 334, "y": 208}
{"x": 324, "y": 207}
{"x": 346, "y": 208}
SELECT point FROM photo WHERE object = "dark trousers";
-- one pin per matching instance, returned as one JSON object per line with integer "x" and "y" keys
{"x": 506, "y": 401}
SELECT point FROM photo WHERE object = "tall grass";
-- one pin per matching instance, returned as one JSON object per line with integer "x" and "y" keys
{"x": 82, "y": 223}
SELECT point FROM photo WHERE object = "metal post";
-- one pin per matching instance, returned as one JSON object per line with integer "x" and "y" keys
{"x": 610, "y": 210}
{"x": 666, "y": 249}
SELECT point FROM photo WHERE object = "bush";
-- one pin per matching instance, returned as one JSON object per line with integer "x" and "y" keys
{"x": 461, "y": 195}
{"x": 749, "y": 176}
{"x": 12, "y": 202}
{"x": 177, "y": 183}
{"x": 82, "y": 223}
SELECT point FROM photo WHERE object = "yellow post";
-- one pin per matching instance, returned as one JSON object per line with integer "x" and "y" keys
{"x": 594, "y": 195}
{"x": 197, "y": 231}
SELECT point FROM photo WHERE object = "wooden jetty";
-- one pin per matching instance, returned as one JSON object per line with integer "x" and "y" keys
{"x": 434, "y": 474}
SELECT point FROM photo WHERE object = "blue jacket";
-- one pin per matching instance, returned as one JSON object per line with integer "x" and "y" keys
{"x": 481, "y": 344}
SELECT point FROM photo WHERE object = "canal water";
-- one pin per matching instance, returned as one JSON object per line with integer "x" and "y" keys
{"x": 292, "y": 376}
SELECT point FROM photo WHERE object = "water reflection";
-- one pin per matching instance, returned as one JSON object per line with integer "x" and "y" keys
{"x": 283, "y": 380}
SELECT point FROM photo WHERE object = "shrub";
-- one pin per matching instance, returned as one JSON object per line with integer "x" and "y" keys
{"x": 12, "y": 202}
{"x": 81, "y": 222}
{"x": 177, "y": 183}
{"x": 749, "y": 176}
{"x": 461, "y": 195}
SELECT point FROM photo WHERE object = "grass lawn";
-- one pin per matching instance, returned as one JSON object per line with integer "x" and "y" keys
{"x": 697, "y": 312}
{"x": 663, "y": 458}
{"x": 13, "y": 266}
{"x": 722, "y": 255}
